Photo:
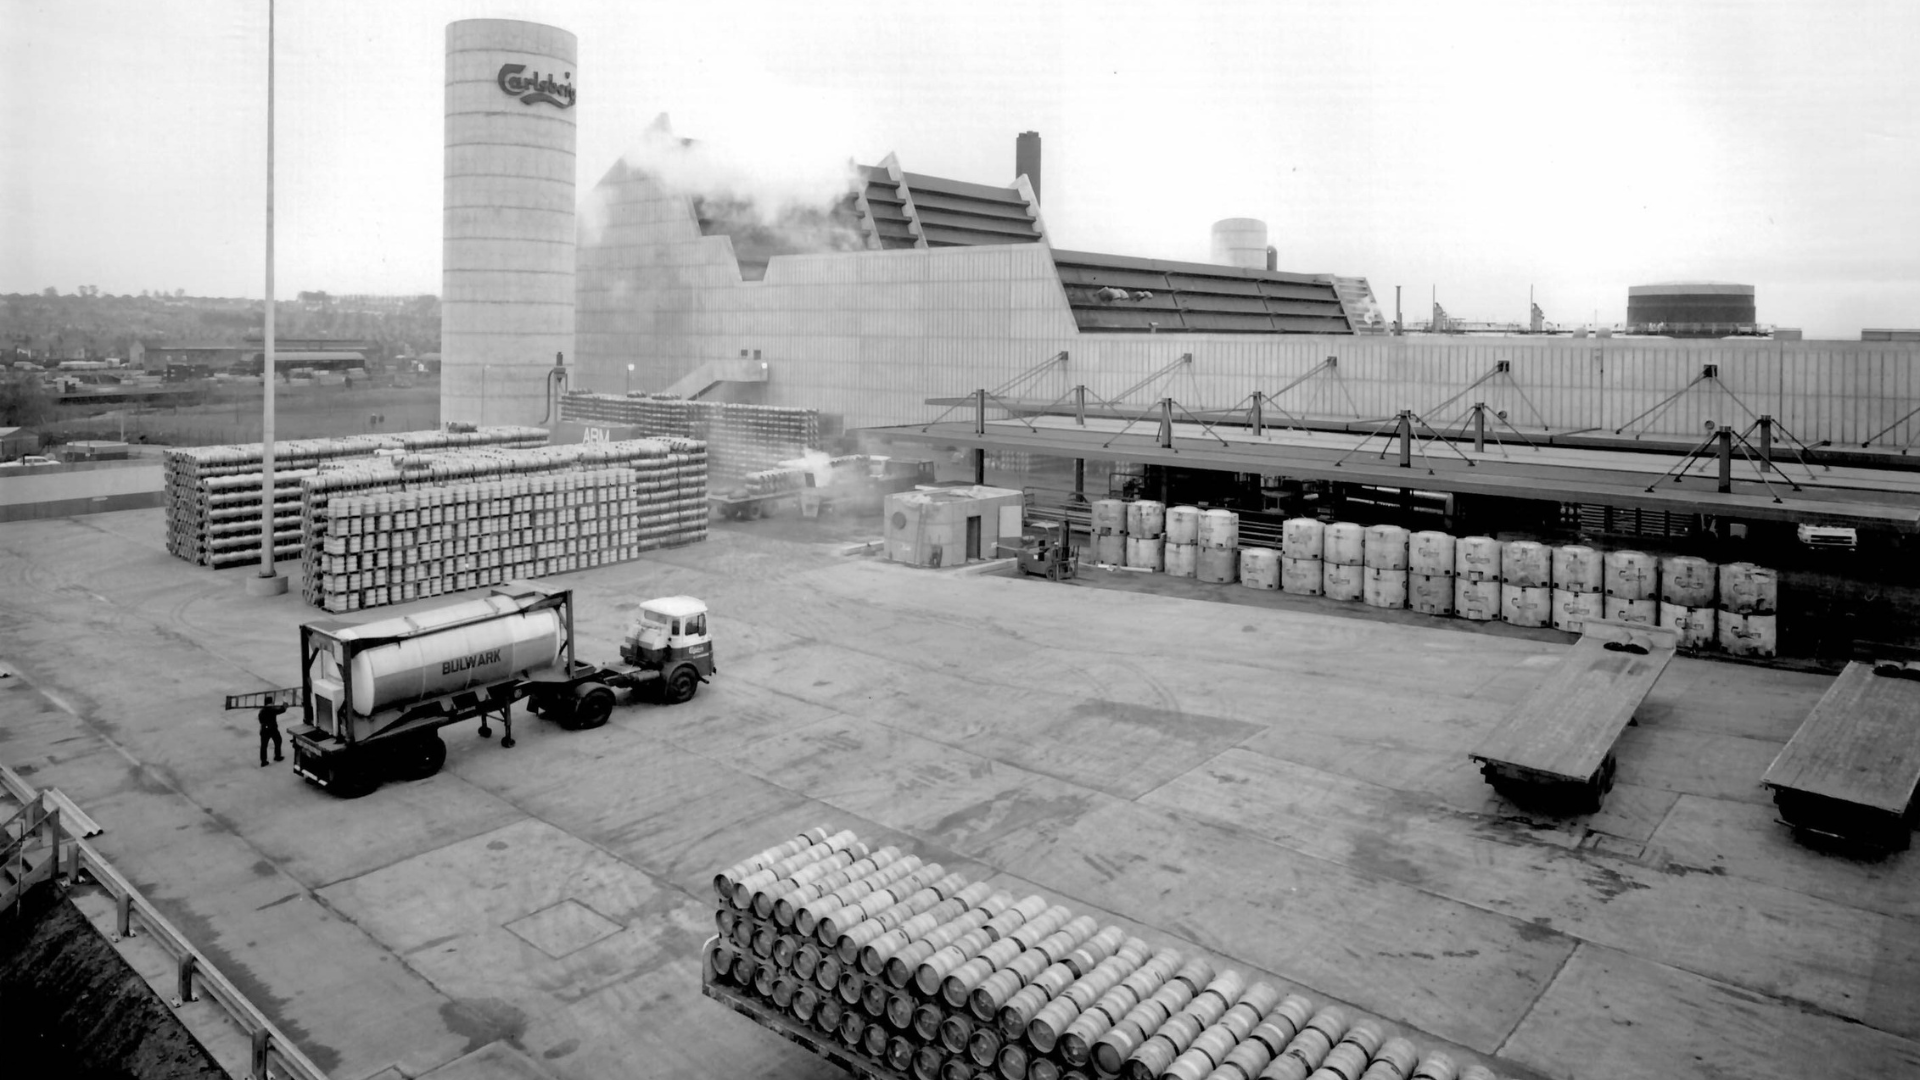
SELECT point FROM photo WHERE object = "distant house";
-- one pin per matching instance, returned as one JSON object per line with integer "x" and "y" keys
{"x": 17, "y": 442}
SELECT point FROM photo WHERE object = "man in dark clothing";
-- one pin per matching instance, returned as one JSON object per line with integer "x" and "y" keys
{"x": 270, "y": 731}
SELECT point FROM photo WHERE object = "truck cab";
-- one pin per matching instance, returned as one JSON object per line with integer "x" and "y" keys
{"x": 669, "y": 631}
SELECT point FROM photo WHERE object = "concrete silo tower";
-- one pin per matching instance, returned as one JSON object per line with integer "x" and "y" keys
{"x": 506, "y": 302}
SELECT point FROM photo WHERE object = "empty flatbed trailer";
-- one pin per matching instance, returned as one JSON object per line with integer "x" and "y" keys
{"x": 1556, "y": 744}
{"x": 1850, "y": 773}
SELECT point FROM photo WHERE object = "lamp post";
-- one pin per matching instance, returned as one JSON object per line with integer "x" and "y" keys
{"x": 629, "y": 380}
{"x": 268, "y": 582}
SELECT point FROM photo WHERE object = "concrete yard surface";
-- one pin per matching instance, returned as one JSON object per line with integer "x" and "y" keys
{"x": 1285, "y": 790}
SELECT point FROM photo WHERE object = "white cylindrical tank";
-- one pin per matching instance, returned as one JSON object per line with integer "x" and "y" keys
{"x": 1109, "y": 517}
{"x": 1747, "y": 634}
{"x": 1110, "y": 549}
{"x": 1476, "y": 558}
{"x": 1143, "y": 552}
{"x": 1342, "y": 581}
{"x": 1303, "y": 538}
{"x": 1346, "y": 543}
{"x": 1182, "y": 559}
{"x": 1527, "y": 564}
{"x": 1431, "y": 554}
{"x": 449, "y": 660}
{"x": 508, "y": 231}
{"x": 1240, "y": 242}
{"x": 1430, "y": 594}
{"x": 1577, "y": 568}
{"x": 1696, "y": 626}
{"x": 1386, "y": 547}
{"x": 1302, "y": 577}
{"x": 1748, "y": 589}
{"x": 1220, "y": 529}
{"x": 1572, "y": 609}
{"x": 1632, "y": 575}
{"x": 1526, "y": 605}
{"x": 1385, "y": 588}
{"x": 1217, "y": 565}
{"x": 1686, "y": 581}
{"x": 1146, "y": 518}
{"x": 1259, "y": 568}
{"x": 1645, "y": 612}
{"x": 1183, "y": 525}
{"x": 1477, "y": 599}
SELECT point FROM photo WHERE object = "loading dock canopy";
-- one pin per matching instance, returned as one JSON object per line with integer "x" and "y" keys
{"x": 1563, "y": 475}
{"x": 1198, "y": 297}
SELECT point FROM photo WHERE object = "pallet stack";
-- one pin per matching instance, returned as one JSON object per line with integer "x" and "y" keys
{"x": 891, "y": 967}
{"x": 740, "y": 438}
{"x": 212, "y": 494}
{"x": 389, "y": 530}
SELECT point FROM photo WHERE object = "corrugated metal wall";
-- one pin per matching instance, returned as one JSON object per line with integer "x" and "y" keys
{"x": 871, "y": 335}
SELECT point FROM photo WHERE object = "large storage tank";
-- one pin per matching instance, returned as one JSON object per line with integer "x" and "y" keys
{"x": 1691, "y": 308}
{"x": 508, "y": 233}
{"x": 1240, "y": 241}
{"x": 449, "y": 660}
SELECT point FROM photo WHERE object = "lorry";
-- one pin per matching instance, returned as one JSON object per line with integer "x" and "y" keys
{"x": 373, "y": 696}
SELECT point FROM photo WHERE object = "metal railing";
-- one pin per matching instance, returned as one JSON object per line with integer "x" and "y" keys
{"x": 274, "y": 1056}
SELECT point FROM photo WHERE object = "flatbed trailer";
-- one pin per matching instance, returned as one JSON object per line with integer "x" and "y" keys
{"x": 1555, "y": 746}
{"x": 752, "y": 507}
{"x": 1849, "y": 775}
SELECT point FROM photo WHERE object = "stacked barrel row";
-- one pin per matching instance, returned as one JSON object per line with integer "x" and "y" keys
{"x": 740, "y": 438}
{"x": 213, "y": 494}
{"x": 392, "y": 529}
{"x": 1529, "y": 583}
{"x": 910, "y": 970}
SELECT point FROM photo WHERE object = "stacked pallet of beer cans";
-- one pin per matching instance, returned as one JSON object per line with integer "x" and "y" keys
{"x": 212, "y": 494}
{"x": 1745, "y": 611}
{"x": 1732, "y": 608}
{"x": 655, "y": 415}
{"x": 745, "y": 438}
{"x": 896, "y": 968}
{"x": 740, "y": 438}
{"x": 775, "y": 481}
{"x": 389, "y": 530}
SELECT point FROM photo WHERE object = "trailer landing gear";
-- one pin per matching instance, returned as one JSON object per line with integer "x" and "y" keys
{"x": 506, "y": 723}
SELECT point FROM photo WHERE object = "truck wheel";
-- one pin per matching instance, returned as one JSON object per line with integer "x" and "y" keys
{"x": 352, "y": 779}
{"x": 420, "y": 758}
{"x": 593, "y": 704}
{"x": 680, "y": 686}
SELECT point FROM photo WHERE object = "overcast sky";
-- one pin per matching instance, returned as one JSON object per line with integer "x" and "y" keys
{"x": 1476, "y": 148}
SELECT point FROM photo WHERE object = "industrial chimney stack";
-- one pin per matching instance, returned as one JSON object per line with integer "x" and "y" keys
{"x": 1026, "y": 160}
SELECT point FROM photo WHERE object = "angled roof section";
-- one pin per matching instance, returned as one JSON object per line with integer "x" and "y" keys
{"x": 1168, "y": 296}
{"x": 912, "y": 210}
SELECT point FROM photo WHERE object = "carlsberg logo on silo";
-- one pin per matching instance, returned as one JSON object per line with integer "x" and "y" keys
{"x": 531, "y": 89}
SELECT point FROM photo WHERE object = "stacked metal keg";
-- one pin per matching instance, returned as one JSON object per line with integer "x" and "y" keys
{"x": 392, "y": 529}
{"x": 894, "y": 967}
{"x": 212, "y": 494}
{"x": 740, "y": 438}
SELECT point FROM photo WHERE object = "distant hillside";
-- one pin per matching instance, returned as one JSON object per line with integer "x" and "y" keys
{"x": 95, "y": 326}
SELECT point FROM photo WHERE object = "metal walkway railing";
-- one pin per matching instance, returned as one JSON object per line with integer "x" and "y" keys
{"x": 274, "y": 1056}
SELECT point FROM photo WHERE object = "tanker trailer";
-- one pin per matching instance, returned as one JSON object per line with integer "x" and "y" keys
{"x": 374, "y": 695}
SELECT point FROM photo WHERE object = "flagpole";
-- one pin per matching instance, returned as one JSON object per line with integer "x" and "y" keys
{"x": 268, "y": 583}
